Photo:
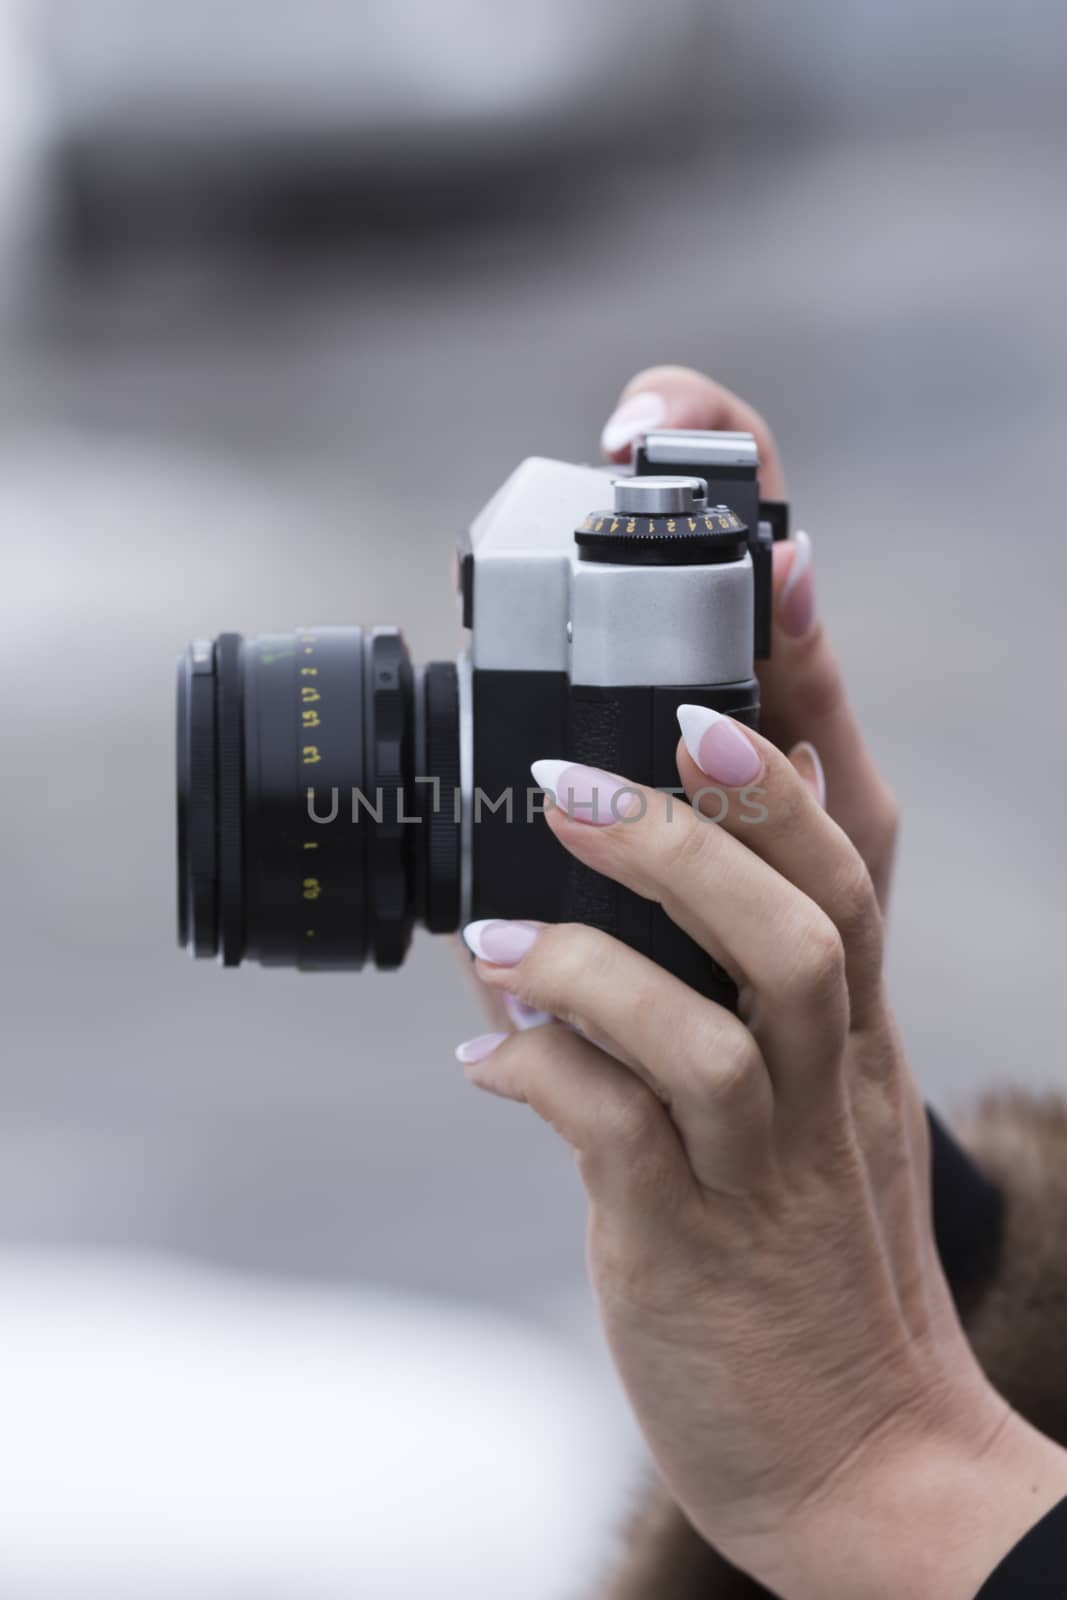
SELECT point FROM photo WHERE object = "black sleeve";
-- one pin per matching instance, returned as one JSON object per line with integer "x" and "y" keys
{"x": 1037, "y": 1568}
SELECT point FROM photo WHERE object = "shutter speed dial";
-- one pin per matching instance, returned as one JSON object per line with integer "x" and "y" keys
{"x": 661, "y": 521}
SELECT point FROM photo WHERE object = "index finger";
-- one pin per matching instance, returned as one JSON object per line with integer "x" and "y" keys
{"x": 678, "y": 397}
{"x": 801, "y": 687}
{"x": 803, "y": 697}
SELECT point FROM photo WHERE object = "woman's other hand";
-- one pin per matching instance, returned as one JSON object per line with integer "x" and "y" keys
{"x": 801, "y": 687}
{"x": 760, "y": 1234}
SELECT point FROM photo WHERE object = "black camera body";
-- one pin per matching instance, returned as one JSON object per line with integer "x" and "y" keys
{"x": 331, "y": 794}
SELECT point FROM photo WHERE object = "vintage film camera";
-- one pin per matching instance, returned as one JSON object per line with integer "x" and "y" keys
{"x": 331, "y": 794}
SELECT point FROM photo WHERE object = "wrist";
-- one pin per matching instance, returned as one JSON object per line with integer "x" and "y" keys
{"x": 930, "y": 1514}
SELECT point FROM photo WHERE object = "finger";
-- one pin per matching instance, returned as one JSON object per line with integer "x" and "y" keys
{"x": 678, "y": 397}
{"x": 491, "y": 1002}
{"x": 783, "y": 951}
{"x": 808, "y": 763}
{"x": 523, "y": 1016}
{"x": 700, "y": 1061}
{"x": 802, "y": 695}
{"x": 629, "y": 1153}
{"x": 504, "y": 1012}
{"x": 801, "y": 687}
{"x": 742, "y": 782}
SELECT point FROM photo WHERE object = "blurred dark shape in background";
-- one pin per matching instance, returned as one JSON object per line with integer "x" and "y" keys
{"x": 327, "y": 116}
{"x": 154, "y": 122}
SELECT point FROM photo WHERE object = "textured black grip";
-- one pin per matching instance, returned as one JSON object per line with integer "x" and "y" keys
{"x": 634, "y": 731}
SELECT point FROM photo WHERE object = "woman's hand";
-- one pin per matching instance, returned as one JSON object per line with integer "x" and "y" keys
{"x": 801, "y": 688}
{"x": 760, "y": 1236}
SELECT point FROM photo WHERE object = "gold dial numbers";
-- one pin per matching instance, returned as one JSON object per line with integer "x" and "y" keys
{"x": 309, "y": 699}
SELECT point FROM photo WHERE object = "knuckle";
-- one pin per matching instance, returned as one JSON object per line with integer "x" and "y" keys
{"x": 727, "y": 1067}
{"x": 855, "y": 906}
{"x": 737, "y": 1066}
{"x": 568, "y": 954}
{"x": 628, "y": 1141}
{"x": 818, "y": 972}
{"x": 788, "y": 798}
{"x": 661, "y": 850}
{"x": 680, "y": 846}
{"x": 630, "y": 1124}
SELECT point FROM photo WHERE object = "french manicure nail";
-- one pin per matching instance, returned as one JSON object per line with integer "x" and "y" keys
{"x": 503, "y": 943}
{"x": 718, "y": 746}
{"x": 796, "y": 608}
{"x": 477, "y": 1049}
{"x": 522, "y": 1015}
{"x": 587, "y": 794}
{"x": 632, "y": 417}
{"x": 805, "y": 758}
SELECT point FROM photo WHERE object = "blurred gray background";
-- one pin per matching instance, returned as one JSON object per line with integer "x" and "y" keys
{"x": 248, "y": 307}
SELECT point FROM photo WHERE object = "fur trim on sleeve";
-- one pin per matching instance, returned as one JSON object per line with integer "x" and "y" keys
{"x": 1017, "y": 1327}
{"x": 664, "y": 1558}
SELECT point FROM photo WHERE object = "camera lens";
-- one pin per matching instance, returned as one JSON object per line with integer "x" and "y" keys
{"x": 318, "y": 776}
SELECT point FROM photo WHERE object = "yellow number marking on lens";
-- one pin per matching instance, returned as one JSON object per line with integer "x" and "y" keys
{"x": 310, "y": 719}
{"x": 312, "y": 888}
{"x": 311, "y": 755}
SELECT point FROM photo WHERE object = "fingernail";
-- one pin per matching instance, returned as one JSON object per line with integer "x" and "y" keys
{"x": 796, "y": 607}
{"x": 587, "y": 794}
{"x": 477, "y": 1049}
{"x": 522, "y": 1015}
{"x": 718, "y": 746}
{"x": 805, "y": 758}
{"x": 502, "y": 943}
{"x": 632, "y": 417}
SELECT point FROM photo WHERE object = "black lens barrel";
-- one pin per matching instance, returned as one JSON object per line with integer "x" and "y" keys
{"x": 304, "y": 838}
